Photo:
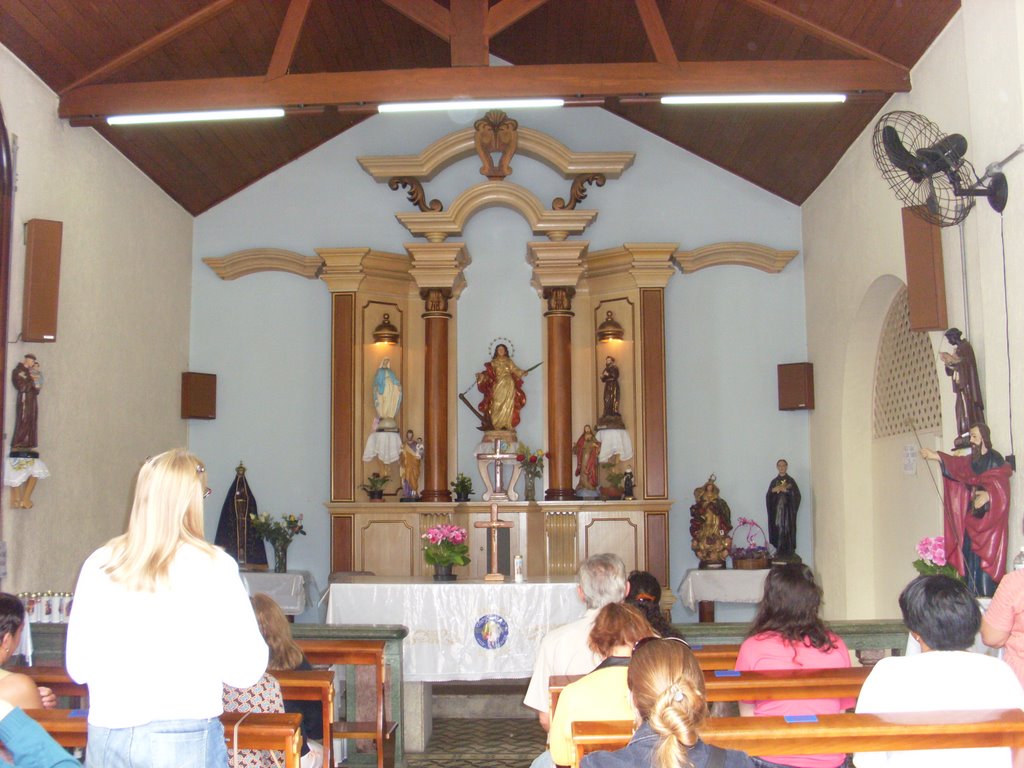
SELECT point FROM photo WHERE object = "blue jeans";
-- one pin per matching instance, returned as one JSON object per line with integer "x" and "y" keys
{"x": 161, "y": 744}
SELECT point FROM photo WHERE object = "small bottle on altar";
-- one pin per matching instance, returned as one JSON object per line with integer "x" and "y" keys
{"x": 517, "y": 569}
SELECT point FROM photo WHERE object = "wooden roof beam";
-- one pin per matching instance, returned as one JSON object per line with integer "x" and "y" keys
{"x": 428, "y": 14}
{"x": 508, "y": 12}
{"x": 151, "y": 44}
{"x": 568, "y": 80}
{"x": 288, "y": 38}
{"x": 657, "y": 34}
{"x": 468, "y": 41}
{"x": 818, "y": 31}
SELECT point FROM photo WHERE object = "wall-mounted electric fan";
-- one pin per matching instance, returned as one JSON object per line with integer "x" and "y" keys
{"x": 928, "y": 172}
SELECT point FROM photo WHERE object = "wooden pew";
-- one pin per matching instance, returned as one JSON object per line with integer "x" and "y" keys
{"x": 751, "y": 686}
{"x": 358, "y": 652}
{"x": 835, "y": 733}
{"x": 312, "y": 685}
{"x": 718, "y": 656}
{"x": 278, "y": 731}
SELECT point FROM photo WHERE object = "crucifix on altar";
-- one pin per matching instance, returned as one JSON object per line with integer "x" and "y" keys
{"x": 492, "y": 560}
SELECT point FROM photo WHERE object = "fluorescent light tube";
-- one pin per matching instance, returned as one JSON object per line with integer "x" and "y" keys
{"x": 190, "y": 117}
{"x": 757, "y": 98}
{"x": 443, "y": 106}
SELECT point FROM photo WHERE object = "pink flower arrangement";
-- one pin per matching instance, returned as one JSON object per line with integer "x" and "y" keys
{"x": 931, "y": 560}
{"x": 446, "y": 545}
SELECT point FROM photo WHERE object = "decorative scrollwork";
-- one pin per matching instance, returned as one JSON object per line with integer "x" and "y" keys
{"x": 416, "y": 194}
{"x": 496, "y": 132}
{"x": 578, "y": 191}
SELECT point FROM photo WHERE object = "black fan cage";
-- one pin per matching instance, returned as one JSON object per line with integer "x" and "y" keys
{"x": 933, "y": 198}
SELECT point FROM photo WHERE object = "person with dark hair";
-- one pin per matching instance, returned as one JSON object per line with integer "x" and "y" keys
{"x": 976, "y": 506}
{"x": 670, "y": 708}
{"x": 15, "y": 688}
{"x": 788, "y": 633}
{"x": 645, "y": 594}
{"x": 602, "y": 694}
{"x": 943, "y": 616}
{"x": 565, "y": 650}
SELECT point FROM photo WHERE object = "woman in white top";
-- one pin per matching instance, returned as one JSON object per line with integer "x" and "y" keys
{"x": 160, "y": 623}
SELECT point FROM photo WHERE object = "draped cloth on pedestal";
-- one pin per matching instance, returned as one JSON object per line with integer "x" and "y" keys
{"x": 234, "y": 530}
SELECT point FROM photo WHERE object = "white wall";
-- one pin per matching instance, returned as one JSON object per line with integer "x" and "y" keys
{"x": 112, "y": 378}
{"x": 968, "y": 82}
{"x": 267, "y": 337}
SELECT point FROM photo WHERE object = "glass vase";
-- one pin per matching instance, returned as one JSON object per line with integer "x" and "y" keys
{"x": 531, "y": 488}
{"x": 281, "y": 556}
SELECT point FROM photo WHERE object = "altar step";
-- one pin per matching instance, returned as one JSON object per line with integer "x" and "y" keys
{"x": 483, "y": 699}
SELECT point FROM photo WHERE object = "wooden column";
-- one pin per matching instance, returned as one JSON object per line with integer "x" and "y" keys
{"x": 436, "y": 320}
{"x": 437, "y": 270}
{"x": 559, "y": 392}
{"x": 557, "y": 267}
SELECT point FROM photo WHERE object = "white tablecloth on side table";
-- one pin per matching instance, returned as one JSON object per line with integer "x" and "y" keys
{"x": 721, "y": 585}
{"x": 288, "y": 590}
{"x": 460, "y": 630}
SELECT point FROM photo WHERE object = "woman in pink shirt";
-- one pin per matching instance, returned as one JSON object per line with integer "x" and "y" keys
{"x": 1002, "y": 624}
{"x": 787, "y": 633}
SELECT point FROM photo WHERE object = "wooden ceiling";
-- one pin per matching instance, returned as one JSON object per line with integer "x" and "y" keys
{"x": 329, "y": 62}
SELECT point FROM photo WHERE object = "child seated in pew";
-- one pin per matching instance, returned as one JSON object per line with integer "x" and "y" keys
{"x": 788, "y": 633}
{"x": 943, "y": 616}
{"x": 285, "y": 654}
{"x": 20, "y": 690}
{"x": 601, "y": 694}
{"x": 667, "y": 691}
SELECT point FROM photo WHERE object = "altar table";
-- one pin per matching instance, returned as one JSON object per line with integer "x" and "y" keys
{"x": 702, "y": 588}
{"x": 460, "y": 630}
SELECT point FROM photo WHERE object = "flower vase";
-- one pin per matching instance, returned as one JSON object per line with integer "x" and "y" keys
{"x": 281, "y": 556}
{"x": 443, "y": 573}
{"x": 531, "y": 488}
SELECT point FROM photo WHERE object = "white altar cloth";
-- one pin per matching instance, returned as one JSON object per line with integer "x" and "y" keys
{"x": 723, "y": 585}
{"x": 288, "y": 590}
{"x": 460, "y": 630}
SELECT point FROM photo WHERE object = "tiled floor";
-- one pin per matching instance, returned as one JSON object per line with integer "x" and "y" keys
{"x": 463, "y": 743}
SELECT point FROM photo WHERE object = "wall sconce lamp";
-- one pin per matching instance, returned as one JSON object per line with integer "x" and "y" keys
{"x": 610, "y": 330}
{"x": 385, "y": 332}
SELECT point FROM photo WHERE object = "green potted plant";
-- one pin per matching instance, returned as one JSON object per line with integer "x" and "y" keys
{"x": 462, "y": 486}
{"x": 374, "y": 486}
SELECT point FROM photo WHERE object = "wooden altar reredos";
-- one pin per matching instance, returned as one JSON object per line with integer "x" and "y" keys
{"x": 419, "y": 291}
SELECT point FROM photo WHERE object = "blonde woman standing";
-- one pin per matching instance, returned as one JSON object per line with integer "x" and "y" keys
{"x": 160, "y": 623}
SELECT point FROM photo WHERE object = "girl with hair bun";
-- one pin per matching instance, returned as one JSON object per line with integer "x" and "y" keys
{"x": 667, "y": 688}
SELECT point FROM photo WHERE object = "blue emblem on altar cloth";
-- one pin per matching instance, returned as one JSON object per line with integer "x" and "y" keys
{"x": 491, "y": 631}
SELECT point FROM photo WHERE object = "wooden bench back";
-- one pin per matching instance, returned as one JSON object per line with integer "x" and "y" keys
{"x": 279, "y": 731}
{"x": 725, "y": 685}
{"x": 358, "y": 652}
{"x": 835, "y": 733}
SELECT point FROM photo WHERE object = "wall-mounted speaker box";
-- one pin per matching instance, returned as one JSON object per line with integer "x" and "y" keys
{"x": 198, "y": 395}
{"x": 796, "y": 387}
{"x": 926, "y": 282}
{"x": 42, "y": 279}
